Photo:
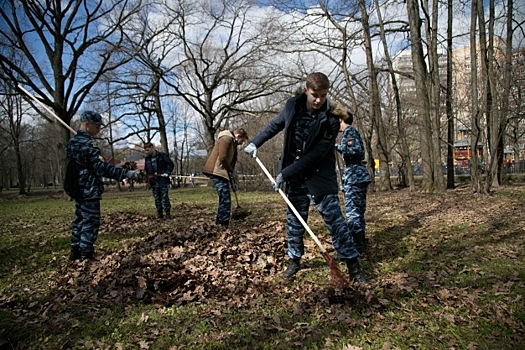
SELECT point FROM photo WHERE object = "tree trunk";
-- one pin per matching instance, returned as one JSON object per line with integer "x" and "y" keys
{"x": 475, "y": 132}
{"x": 403, "y": 142}
{"x": 448, "y": 102}
{"x": 423, "y": 107}
{"x": 375, "y": 104}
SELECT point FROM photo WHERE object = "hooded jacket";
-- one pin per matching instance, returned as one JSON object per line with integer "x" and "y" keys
{"x": 316, "y": 166}
{"x": 223, "y": 157}
{"x": 92, "y": 165}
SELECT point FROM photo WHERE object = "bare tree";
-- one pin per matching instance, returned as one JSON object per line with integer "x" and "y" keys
{"x": 404, "y": 166}
{"x": 476, "y": 131}
{"x": 68, "y": 46}
{"x": 427, "y": 107}
{"x": 448, "y": 100}
{"x": 375, "y": 102}
{"x": 11, "y": 110}
{"x": 228, "y": 58}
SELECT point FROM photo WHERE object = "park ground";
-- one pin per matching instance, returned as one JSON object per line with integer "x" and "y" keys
{"x": 445, "y": 271}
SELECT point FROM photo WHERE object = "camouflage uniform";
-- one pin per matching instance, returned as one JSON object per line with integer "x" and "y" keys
{"x": 222, "y": 186}
{"x": 355, "y": 183}
{"x": 83, "y": 150}
{"x": 155, "y": 165}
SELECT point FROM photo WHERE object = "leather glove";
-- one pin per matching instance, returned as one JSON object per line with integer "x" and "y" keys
{"x": 278, "y": 182}
{"x": 133, "y": 175}
{"x": 165, "y": 175}
{"x": 251, "y": 149}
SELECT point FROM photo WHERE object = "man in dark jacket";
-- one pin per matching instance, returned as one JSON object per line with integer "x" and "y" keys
{"x": 308, "y": 168}
{"x": 158, "y": 167}
{"x": 91, "y": 166}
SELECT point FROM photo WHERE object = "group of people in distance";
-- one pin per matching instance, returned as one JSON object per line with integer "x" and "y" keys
{"x": 307, "y": 171}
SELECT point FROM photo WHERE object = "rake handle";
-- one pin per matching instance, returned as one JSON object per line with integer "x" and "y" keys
{"x": 47, "y": 109}
{"x": 291, "y": 206}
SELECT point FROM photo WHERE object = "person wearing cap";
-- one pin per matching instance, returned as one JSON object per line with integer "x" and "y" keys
{"x": 158, "y": 166}
{"x": 91, "y": 167}
{"x": 220, "y": 166}
{"x": 356, "y": 178}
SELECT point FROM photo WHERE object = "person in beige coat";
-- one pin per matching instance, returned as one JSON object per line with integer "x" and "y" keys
{"x": 220, "y": 167}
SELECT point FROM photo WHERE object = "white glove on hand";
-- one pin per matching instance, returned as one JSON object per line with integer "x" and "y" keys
{"x": 278, "y": 182}
{"x": 251, "y": 149}
{"x": 133, "y": 175}
{"x": 165, "y": 175}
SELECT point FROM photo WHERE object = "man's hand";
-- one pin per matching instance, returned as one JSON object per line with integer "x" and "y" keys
{"x": 251, "y": 149}
{"x": 165, "y": 175}
{"x": 233, "y": 181}
{"x": 132, "y": 175}
{"x": 278, "y": 182}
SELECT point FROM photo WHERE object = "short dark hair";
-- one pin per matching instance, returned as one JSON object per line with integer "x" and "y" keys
{"x": 148, "y": 145}
{"x": 317, "y": 81}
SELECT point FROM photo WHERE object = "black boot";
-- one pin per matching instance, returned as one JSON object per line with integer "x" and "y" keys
{"x": 159, "y": 214}
{"x": 87, "y": 255}
{"x": 294, "y": 265}
{"x": 360, "y": 242}
{"x": 354, "y": 270}
{"x": 74, "y": 254}
{"x": 224, "y": 224}
{"x": 168, "y": 214}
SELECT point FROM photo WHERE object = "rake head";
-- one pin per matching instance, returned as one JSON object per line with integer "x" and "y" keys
{"x": 337, "y": 276}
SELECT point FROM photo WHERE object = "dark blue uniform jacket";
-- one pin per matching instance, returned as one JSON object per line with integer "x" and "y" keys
{"x": 316, "y": 165}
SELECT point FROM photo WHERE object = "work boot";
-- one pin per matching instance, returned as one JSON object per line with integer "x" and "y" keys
{"x": 74, "y": 254}
{"x": 168, "y": 214}
{"x": 294, "y": 265}
{"x": 354, "y": 270}
{"x": 87, "y": 255}
{"x": 360, "y": 242}
{"x": 224, "y": 224}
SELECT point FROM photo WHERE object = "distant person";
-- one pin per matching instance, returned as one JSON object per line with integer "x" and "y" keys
{"x": 158, "y": 167}
{"x": 307, "y": 167}
{"x": 220, "y": 168}
{"x": 355, "y": 177}
{"x": 91, "y": 166}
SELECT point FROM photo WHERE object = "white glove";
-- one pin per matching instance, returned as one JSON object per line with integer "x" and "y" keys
{"x": 165, "y": 175}
{"x": 251, "y": 149}
{"x": 278, "y": 182}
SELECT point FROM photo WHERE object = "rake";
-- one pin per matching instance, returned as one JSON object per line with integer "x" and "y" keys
{"x": 337, "y": 275}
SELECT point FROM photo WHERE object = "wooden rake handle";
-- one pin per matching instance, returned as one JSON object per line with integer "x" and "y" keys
{"x": 291, "y": 206}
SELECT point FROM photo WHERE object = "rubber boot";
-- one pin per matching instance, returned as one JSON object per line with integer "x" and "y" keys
{"x": 74, "y": 254}
{"x": 354, "y": 270}
{"x": 360, "y": 242}
{"x": 168, "y": 214}
{"x": 294, "y": 265}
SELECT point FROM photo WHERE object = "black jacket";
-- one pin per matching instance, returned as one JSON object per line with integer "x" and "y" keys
{"x": 157, "y": 164}
{"x": 317, "y": 163}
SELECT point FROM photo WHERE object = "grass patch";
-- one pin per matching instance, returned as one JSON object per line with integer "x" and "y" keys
{"x": 445, "y": 272}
